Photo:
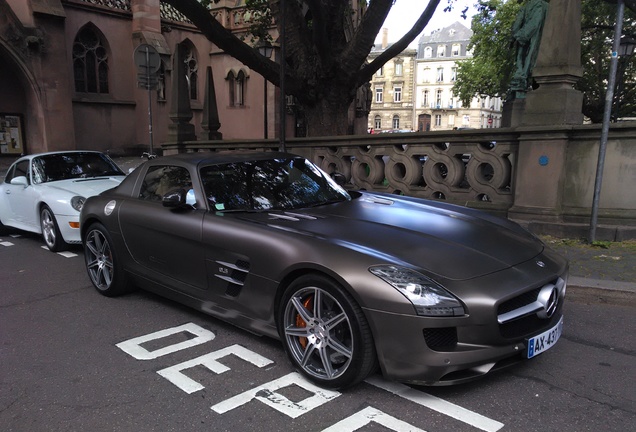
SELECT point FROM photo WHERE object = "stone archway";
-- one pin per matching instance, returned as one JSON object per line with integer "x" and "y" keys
{"x": 19, "y": 95}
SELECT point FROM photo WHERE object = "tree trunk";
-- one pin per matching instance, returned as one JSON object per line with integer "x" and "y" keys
{"x": 328, "y": 118}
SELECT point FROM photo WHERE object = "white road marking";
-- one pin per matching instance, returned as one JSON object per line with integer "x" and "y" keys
{"x": 437, "y": 404}
{"x": 67, "y": 254}
{"x": 266, "y": 394}
{"x": 188, "y": 385}
{"x": 6, "y": 243}
{"x": 133, "y": 346}
{"x": 371, "y": 415}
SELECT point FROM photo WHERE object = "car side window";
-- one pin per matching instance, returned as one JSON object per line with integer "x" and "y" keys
{"x": 21, "y": 169}
{"x": 160, "y": 180}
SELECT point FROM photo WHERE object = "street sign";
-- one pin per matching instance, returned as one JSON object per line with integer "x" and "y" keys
{"x": 147, "y": 59}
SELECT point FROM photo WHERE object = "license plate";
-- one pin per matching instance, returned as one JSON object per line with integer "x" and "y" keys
{"x": 545, "y": 340}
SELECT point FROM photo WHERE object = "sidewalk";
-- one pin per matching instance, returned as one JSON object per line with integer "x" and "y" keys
{"x": 602, "y": 273}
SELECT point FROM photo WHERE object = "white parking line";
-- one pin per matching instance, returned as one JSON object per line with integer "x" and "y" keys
{"x": 372, "y": 415}
{"x": 64, "y": 254}
{"x": 437, "y": 404}
{"x": 266, "y": 394}
{"x": 6, "y": 243}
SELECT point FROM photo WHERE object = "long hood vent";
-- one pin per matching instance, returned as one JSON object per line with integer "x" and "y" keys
{"x": 294, "y": 217}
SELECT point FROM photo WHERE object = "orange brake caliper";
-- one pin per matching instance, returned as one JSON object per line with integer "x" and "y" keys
{"x": 301, "y": 322}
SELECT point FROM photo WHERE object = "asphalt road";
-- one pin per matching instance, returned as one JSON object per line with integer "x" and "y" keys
{"x": 73, "y": 360}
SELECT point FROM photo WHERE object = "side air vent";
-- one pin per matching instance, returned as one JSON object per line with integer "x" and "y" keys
{"x": 234, "y": 274}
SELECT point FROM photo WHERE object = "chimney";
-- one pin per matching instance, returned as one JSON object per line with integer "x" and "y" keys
{"x": 385, "y": 38}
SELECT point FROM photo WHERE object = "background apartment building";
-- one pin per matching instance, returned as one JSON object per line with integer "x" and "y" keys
{"x": 414, "y": 91}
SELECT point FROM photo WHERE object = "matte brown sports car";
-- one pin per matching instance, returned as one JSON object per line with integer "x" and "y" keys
{"x": 432, "y": 293}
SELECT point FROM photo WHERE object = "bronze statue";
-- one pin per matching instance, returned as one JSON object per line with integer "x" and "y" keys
{"x": 526, "y": 32}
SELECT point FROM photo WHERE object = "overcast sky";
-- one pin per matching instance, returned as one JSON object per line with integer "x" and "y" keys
{"x": 404, "y": 13}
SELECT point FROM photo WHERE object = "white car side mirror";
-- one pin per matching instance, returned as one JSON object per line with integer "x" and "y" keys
{"x": 20, "y": 180}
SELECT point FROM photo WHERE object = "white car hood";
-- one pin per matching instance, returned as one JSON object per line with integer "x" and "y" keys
{"x": 85, "y": 187}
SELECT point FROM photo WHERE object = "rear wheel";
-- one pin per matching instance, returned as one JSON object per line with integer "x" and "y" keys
{"x": 325, "y": 333}
{"x": 50, "y": 231}
{"x": 104, "y": 269}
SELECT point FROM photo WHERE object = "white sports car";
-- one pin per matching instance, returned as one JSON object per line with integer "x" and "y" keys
{"x": 44, "y": 193}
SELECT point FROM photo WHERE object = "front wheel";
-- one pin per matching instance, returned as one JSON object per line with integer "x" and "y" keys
{"x": 50, "y": 231}
{"x": 104, "y": 269}
{"x": 325, "y": 333}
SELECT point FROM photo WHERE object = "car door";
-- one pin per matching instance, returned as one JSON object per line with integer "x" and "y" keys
{"x": 20, "y": 200}
{"x": 165, "y": 242}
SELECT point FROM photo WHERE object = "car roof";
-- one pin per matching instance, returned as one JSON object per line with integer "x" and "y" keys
{"x": 221, "y": 157}
{"x": 31, "y": 156}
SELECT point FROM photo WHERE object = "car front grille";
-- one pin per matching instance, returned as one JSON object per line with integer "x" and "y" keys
{"x": 528, "y": 326}
{"x": 521, "y": 316}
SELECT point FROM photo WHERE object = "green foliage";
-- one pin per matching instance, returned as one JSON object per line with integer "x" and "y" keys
{"x": 597, "y": 28}
{"x": 489, "y": 71}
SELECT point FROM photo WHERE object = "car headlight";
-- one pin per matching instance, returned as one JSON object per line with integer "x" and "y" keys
{"x": 77, "y": 202}
{"x": 428, "y": 297}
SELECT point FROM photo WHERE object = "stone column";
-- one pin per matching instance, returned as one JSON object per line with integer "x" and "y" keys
{"x": 558, "y": 68}
{"x": 210, "y": 123}
{"x": 180, "y": 129}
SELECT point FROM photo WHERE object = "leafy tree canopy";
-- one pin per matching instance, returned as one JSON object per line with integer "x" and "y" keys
{"x": 489, "y": 71}
{"x": 326, "y": 51}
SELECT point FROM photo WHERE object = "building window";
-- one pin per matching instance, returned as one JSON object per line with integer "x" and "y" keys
{"x": 397, "y": 94}
{"x": 425, "y": 98}
{"x": 456, "y": 50}
{"x": 440, "y": 74}
{"x": 396, "y": 122}
{"x": 161, "y": 82}
{"x": 380, "y": 72}
{"x": 90, "y": 62}
{"x": 438, "y": 99}
{"x": 378, "y": 94}
{"x": 426, "y": 75}
{"x": 428, "y": 52}
{"x": 236, "y": 88}
{"x": 239, "y": 94}
{"x": 192, "y": 72}
{"x": 454, "y": 74}
{"x": 378, "y": 122}
{"x": 398, "y": 68}
{"x": 438, "y": 119}
{"x": 441, "y": 51}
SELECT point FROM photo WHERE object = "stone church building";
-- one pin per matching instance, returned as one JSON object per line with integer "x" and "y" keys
{"x": 68, "y": 77}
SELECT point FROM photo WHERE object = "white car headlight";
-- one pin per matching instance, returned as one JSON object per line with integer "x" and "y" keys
{"x": 428, "y": 297}
{"x": 77, "y": 202}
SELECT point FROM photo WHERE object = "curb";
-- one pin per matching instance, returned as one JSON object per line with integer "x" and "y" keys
{"x": 601, "y": 291}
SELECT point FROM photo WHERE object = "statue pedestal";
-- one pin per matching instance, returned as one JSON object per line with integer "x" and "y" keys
{"x": 512, "y": 112}
{"x": 555, "y": 102}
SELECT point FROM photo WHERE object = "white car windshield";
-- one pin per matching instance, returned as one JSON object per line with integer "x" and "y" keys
{"x": 64, "y": 166}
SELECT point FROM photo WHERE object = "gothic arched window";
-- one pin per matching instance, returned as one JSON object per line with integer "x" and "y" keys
{"x": 90, "y": 62}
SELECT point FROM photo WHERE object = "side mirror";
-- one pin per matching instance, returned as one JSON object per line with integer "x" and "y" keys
{"x": 179, "y": 198}
{"x": 20, "y": 181}
{"x": 339, "y": 178}
{"x": 174, "y": 199}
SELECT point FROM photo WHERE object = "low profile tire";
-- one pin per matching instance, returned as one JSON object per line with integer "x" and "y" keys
{"x": 325, "y": 333}
{"x": 50, "y": 231}
{"x": 104, "y": 269}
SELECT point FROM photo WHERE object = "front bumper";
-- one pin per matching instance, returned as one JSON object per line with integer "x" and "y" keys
{"x": 69, "y": 234}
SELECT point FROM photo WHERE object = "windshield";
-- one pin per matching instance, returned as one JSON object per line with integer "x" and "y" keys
{"x": 273, "y": 184}
{"x": 64, "y": 166}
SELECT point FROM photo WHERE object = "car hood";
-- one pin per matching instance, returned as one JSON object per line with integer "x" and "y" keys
{"x": 85, "y": 187}
{"x": 444, "y": 240}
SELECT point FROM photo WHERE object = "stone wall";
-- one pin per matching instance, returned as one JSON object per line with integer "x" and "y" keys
{"x": 543, "y": 177}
